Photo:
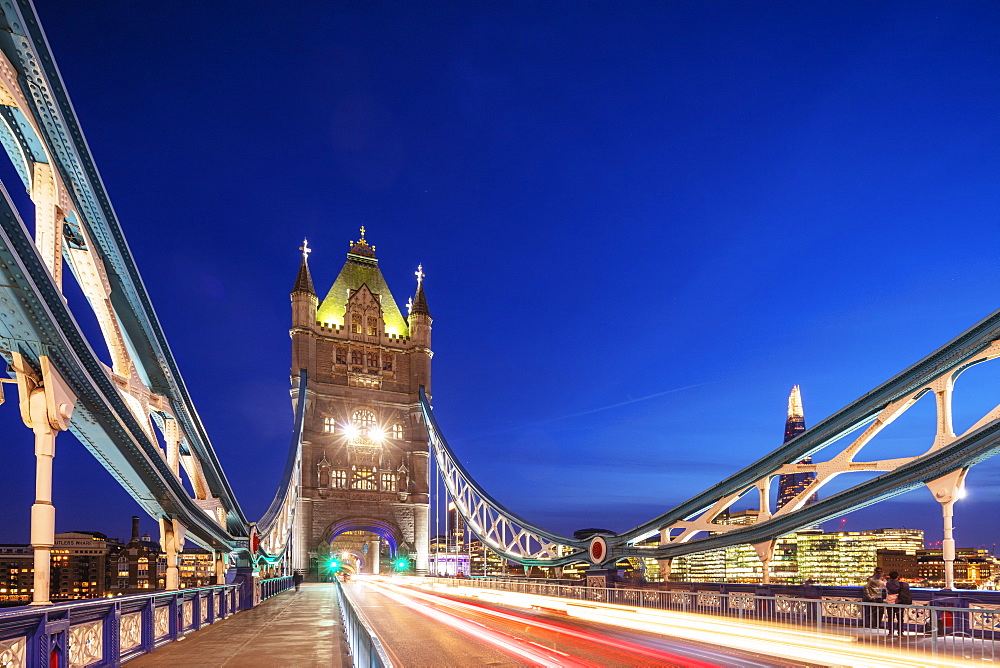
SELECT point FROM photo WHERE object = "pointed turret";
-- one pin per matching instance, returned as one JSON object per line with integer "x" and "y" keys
{"x": 419, "y": 304}
{"x": 304, "y": 300}
{"x": 420, "y": 327}
{"x": 304, "y": 281}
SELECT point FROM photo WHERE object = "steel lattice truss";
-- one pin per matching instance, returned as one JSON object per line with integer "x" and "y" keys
{"x": 134, "y": 415}
{"x": 694, "y": 525}
{"x": 501, "y": 530}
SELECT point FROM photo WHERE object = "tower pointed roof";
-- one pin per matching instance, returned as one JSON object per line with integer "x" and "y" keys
{"x": 361, "y": 269}
{"x": 304, "y": 281}
{"x": 419, "y": 305}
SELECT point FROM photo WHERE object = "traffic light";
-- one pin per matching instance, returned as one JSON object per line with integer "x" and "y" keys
{"x": 401, "y": 564}
{"x": 332, "y": 564}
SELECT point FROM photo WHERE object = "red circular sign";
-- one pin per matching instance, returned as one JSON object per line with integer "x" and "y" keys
{"x": 254, "y": 540}
{"x": 598, "y": 550}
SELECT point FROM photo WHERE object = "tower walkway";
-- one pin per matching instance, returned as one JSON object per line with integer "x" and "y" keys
{"x": 300, "y": 629}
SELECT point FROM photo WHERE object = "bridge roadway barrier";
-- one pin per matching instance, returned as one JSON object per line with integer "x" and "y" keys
{"x": 940, "y": 623}
{"x": 111, "y": 631}
{"x": 366, "y": 648}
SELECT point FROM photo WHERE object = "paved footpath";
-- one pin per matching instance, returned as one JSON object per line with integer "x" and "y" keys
{"x": 301, "y": 629}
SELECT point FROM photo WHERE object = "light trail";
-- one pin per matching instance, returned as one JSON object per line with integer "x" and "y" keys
{"x": 619, "y": 645}
{"x": 791, "y": 643}
{"x": 533, "y": 653}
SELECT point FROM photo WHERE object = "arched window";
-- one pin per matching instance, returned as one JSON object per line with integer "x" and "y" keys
{"x": 329, "y": 425}
{"x": 372, "y": 326}
{"x": 364, "y": 478}
{"x": 339, "y": 479}
{"x": 388, "y": 482}
{"x": 396, "y": 431}
{"x": 373, "y": 360}
{"x": 363, "y": 420}
{"x": 356, "y": 323}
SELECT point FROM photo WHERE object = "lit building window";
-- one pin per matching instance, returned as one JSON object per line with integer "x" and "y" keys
{"x": 388, "y": 482}
{"x": 373, "y": 360}
{"x": 364, "y": 478}
{"x": 372, "y": 326}
{"x": 338, "y": 479}
{"x": 363, "y": 420}
{"x": 396, "y": 431}
{"x": 329, "y": 425}
{"x": 356, "y": 323}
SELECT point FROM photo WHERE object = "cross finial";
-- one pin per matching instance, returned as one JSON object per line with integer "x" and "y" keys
{"x": 362, "y": 232}
{"x": 409, "y": 305}
{"x": 419, "y": 273}
{"x": 305, "y": 249}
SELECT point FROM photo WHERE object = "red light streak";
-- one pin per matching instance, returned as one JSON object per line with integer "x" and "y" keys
{"x": 536, "y": 654}
{"x": 560, "y": 629}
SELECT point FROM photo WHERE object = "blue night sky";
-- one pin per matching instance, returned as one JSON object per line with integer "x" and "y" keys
{"x": 641, "y": 224}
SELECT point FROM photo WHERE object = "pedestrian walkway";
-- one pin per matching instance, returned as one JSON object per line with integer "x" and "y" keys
{"x": 294, "y": 628}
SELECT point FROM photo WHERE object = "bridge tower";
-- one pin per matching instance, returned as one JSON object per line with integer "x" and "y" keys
{"x": 364, "y": 476}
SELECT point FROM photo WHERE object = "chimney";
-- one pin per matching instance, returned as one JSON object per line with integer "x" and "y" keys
{"x": 135, "y": 527}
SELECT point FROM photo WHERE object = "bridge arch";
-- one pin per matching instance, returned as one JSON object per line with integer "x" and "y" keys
{"x": 387, "y": 531}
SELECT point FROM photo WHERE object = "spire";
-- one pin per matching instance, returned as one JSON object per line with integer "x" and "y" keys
{"x": 362, "y": 247}
{"x": 419, "y": 304}
{"x": 795, "y": 404}
{"x": 304, "y": 281}
{"x": 796, "y": 422}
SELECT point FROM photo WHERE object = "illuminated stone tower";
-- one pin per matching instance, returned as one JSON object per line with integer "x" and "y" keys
{"x": 790, "y": 485}
{"x": 364, "y": 476}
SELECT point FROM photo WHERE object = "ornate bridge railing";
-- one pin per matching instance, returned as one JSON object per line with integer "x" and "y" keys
{"x": 109, "y": 631}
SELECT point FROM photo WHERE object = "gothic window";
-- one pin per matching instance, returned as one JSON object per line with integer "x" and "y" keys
{"x": 372, "y": 326}
{"x": 341, "y": 355}
{"x": 373, "y": 360}
{"x": 364, "y": 478}
{"x": 323, "y": 474}
{"x": 389, "y": 482}
{"x": 396, "y": 431}
{"x": 339, "y": 479}
{"x": 363, "y": 420}
{"x": 356, "y": 323}
{"x": 329, "y": 425}
{"x": 357, "y": 357}
{"x": 387, "y": 361}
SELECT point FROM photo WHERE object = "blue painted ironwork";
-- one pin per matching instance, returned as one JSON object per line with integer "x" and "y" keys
{"x": 515, "y": 538}
{"x": 110, "y": 631}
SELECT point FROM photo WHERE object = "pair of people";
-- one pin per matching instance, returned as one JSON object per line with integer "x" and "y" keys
{"x": 897, "y": 593}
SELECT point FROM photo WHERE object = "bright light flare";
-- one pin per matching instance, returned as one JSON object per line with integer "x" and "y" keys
{"x": 376, "y": 433}
{"x": 350, "y": 431}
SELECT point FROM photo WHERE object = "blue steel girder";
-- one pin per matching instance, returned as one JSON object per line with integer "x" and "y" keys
{"x": 23, "y": 42}
{"x": 35, "y": 321}
{"x": 892, "y": 397}
{"x": 506, "y": 533}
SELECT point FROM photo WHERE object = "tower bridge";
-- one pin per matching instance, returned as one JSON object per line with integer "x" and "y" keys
{"x": 365, "y": 445}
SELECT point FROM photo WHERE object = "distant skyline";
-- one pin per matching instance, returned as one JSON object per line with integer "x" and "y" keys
{"x": 640, "y": 227}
